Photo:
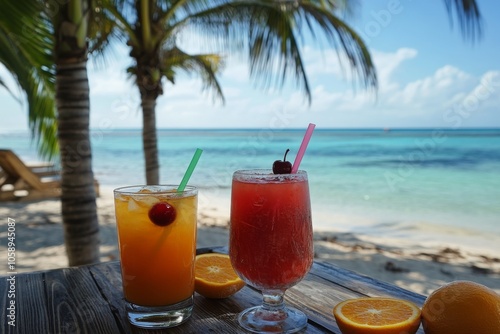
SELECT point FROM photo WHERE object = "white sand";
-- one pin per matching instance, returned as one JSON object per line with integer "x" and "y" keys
{"x": 40, "y": 246}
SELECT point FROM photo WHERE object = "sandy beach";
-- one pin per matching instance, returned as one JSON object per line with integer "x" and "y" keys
{"x": 40, "y": 246}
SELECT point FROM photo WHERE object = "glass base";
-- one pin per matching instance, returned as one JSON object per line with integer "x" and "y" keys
{"x": 160, "y": 316}
{"x": 259, "y": 319}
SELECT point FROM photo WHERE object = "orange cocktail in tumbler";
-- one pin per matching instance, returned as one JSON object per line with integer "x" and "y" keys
{"x": 271, "y": 243}
{"x": 157, "y": 239}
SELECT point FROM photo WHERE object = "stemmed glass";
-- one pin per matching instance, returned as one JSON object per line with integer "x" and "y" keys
{"x": 271, "y": 244}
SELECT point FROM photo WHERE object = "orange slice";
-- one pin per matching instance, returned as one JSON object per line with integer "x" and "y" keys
{"x": 377, "y": 315}
{"x": 215, "y": 277}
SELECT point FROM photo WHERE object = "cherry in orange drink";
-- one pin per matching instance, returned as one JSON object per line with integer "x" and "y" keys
{"x": 271, "y": 241}
{"x": 157, "y": 239}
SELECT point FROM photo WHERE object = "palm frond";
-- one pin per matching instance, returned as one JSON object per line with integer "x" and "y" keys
{"x": 274, "y": 32}
{"x": 25, "y": 50}
{"x": 339, "y": 33}
{"x": 205, "y": 65}
{"x": 102, "y": 28}
{"x": 468, "y": 15}
{"x": 105, "y": 32}
{"x": 7, "y": 88}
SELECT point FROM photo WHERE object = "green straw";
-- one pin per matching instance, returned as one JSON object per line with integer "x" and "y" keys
{"x": 190, "y": 170}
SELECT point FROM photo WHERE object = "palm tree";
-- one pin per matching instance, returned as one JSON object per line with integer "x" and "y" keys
{"x": 78, "y": 198}
{"x": 54, "y": 42}
{"x": 206, "y": 65}
{"x": 157, "y": 57}
{"x": 78, "y": 30}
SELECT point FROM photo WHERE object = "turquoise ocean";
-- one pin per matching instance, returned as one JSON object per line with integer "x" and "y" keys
{"x": 426, "y": 186}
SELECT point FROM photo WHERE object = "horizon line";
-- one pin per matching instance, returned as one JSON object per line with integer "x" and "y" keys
{"x": 318, "y": 128}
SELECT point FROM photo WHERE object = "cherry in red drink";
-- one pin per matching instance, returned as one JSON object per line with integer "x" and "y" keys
{"x": 271, "y": 243}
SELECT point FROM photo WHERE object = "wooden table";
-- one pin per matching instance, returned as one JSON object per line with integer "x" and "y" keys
{"x": 89, "y": 299}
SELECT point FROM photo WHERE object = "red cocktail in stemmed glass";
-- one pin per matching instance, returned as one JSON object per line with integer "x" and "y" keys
{"x": 271, "y": 243}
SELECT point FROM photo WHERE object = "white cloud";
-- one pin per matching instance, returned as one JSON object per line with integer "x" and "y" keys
{"x": 488, "y": 90}
{"x": 481, "y": 101}
{"x": 432, "y": 93}
{"x": 386, "y": 64}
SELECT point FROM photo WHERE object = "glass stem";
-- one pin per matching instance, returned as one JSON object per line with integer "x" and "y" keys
{"x": 273, "y": 300}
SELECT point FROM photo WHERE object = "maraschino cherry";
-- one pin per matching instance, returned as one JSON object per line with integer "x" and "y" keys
{"x": 162, "y": 214}
{"x": 282, "y": 167}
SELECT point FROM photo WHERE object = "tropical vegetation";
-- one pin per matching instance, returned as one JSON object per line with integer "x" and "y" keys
{"x": 45, "y": 46}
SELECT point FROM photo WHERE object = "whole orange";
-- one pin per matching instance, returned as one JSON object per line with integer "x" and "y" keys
{"x": 462, "y": 307}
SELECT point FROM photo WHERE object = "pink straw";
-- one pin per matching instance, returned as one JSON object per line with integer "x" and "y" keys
{"x": 303, "y": 147}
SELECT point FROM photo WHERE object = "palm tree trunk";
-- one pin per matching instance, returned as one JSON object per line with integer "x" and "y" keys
{"x": 149, "y": 140}
{"x": 79, "y": 211}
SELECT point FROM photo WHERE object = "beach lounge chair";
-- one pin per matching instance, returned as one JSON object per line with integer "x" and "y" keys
{"x": 22, "y": 182}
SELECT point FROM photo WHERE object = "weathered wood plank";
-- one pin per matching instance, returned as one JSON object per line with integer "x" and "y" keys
{"x": 33, "y": 314}
{"x": 76, "y": 304}
{"x": 221, "y": 315}
{"x": 107, "y": 277}
{"x": 363, "y": 284}
{"x": 4, "y": 304}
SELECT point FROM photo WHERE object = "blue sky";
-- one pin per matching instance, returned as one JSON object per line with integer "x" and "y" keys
{"x": 429, "y": 76}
